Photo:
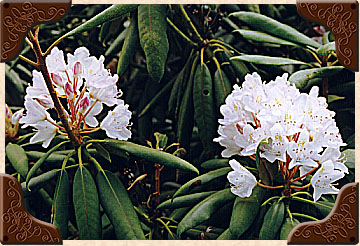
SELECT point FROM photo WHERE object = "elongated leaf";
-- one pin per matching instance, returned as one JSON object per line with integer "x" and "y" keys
{"x": 186, "y": 113}
{"x": 222, "y": 88}
{"x": 326, "y": 49}
{"x": 18, "y": 158}
{"x": 245, "y": 211}
{"x": 38, "y": 164}
{"x": 117, "y": 205}
{"x": 350, "y": 157}
{"x": 153, "y": 38}
{"x": 204, "y": 107}
{"x": 116, "y": 45}
{"x": 61, "y": 204}
{"x": 266, "y": 24}
{"x": 185, "y": 201}
{"x": 272, "y": 221}
{"x": 226, "y": 235}
{"x": 40, "y": 181}
{"x": 302, "y": 78}
{"x": 129, "y": 48}
{"x": 108, "y": 14}
{"x": 86, "y": 205}
{"x": 286, "y": 228}
{"x": 268, "y": 60}
{"x": 201, "y": 180}
{"x": 263, "y": 37}
{"x": 215, "y": 163}
{"x": 53, "y": 158}
{"x": 102, "y": 151}
{"x": 149, "y": 154}
{"x": 204, "y": 210}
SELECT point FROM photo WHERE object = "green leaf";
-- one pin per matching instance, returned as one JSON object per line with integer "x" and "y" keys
{"x": 38, "y": 164}
{"x": 245, "y": 211}
{"x": 267, "y": 171}
{"x": 268, "y": 60}
{"x": 324, "y": 207}
{"x": 118, "y": 206}
{"x": 332, "y": 98}
{"x": 326, "y": 49}
{"x": 111, "y": 13}
{"x": 215, "y": 164}
{"x": 153, "y": 38}
{"x": 185, "y": 201}
{"x": 263, "y": 37}
{"x": 301, "y": 78}
{"x": 286, "y": 228}
{"x": 86, "y": 205}
{"x": 102, "y": 151}
{"x": 116, "y": 45}
{"x": 222, "y": 88}
{"x": 149, "y": 154}
{"x": 272, "y": 221}
{"x": 226, "y": 235}
{"x": 185, "y": 122}
{"x": 350, "y": 158}
{"x": 53, "y": 158}
{"x": 204, "y": 107}
{"x": 129, "y": 48}
{"x": 40, "y": 181}
{"x": 266, "y": 24}
{"x": 61, "y": 204}
{"x": 18, "y": 158}
{"x": 201, "y": 180}
{"x": 204, "y": 210}
{"x": 161, "y": 140}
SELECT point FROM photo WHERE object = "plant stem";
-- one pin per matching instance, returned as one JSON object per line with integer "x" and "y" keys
{"x": 189, "y": 22}
{"x": 298, "y": 178}
{"x": 181, "y": 33}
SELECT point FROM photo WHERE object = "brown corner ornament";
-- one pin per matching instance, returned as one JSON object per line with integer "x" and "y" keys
{"x": 16, "y": 224}
{"x": 341, "y": 17}
{"x": 17, "y": 16}
{"x": 341, "y": 226}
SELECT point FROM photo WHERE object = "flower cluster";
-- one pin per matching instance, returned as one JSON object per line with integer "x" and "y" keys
{"x": 12, "y": 122}
{"x": 295, "y": 129}
{"x": 86, "y": 85}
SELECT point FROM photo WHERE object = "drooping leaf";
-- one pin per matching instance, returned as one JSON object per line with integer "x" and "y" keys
{"x": 268, "y": 60}
{"x": 129, "y": 47}
{"x": 266, "y": 24}
{"x": 263, "y": 37}
{"x": 18, "y": 158}
{"x": 53, "y": 158}
{"x": 111, "y": 13}
{"x": 61, "y": 204}
{"x": 272, "y": 221}
{"x": 245, "y": 211}
{"x": 204, "y": 107}
{"x": 86, "y": 205}
{"x": 201, "y": 180}
{"x": 185, "y": 201}
{"x": 116, "y": 45}
{"x": 38, "y": 164}
{"x": 118, "y": 206}
{"x": 301, "y": 78}
{"x": 40, "y": 181}
{"x": 215, "y": 164}
{"x": 286, "y": 228}
{"x": 204, "y": 210}
{"x": 267, "y": 171}
{"x": 226, "y": 235}
{"x": 149, "y": 154}
{"x": 153, "y": 38}
{"x": 102, "y": 151}
{"x": 350, "y": 157}
{"x": 222, "y": 88}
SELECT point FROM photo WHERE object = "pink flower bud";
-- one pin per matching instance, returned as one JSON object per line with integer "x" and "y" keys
{"x": 69, "y": 91}
{"x": 57, "y": 79}
{"x": 77, "y": 68}
{"x": 45, "y": 101}
{"x": 8, "y": 112}
{"x": 84, "y": 103}
{"x": 17, "y": 116}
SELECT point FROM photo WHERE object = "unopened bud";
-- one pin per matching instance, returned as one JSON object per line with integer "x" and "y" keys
{"x": 77, "y": 69}
{"x": 69, "y": 91}
{"x": 45, "y": 101}
{"x": 16, "y": 116}
{"x": 57, "y": 80}
{"x": 8, "y": 112}
{"x": 84, "y": 104}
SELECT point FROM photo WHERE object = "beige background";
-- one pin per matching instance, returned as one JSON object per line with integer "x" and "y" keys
{"x": 166, "y": 242}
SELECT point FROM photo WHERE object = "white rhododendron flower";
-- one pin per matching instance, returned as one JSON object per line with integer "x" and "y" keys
{"x": 243, "y": 182}
{"x": 85, "y": 84}
{"x": 289, "y": 128}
